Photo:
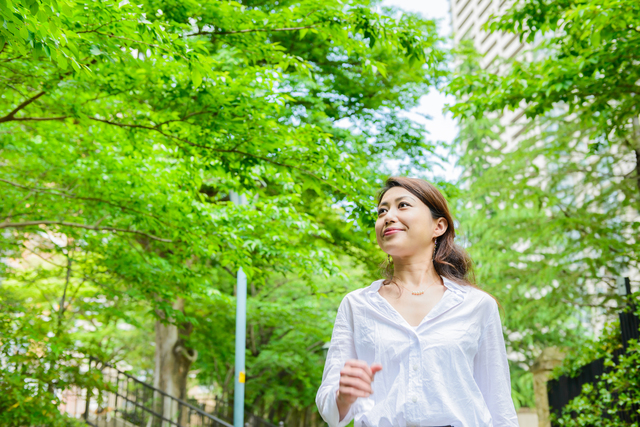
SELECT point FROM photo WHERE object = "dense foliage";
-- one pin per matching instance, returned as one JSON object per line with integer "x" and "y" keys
{"x": 585, "y": 61}
{"x": 552, "y": 215}
{"x": 125, "y": 126}
{"x": 617, "y": 393}
{"x": 615, "y": 397}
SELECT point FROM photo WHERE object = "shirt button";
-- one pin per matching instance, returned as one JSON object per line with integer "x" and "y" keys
{"x": 414, "y": 399}
{"x": 415, "y": 367}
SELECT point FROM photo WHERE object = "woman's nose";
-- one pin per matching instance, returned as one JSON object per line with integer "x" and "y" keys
{"x": 389, "y": 218}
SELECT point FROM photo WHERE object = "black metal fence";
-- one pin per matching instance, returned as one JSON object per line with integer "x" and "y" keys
{"x": 128, "y": 401}
{"x": 564, "y": 388}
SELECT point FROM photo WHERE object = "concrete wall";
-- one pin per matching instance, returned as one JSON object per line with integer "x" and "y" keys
{"x": 527, "y": 417}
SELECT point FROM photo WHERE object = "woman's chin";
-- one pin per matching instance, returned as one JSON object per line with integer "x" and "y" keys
{"x": 395, "y": 251}
{"x": 403, "y": 252}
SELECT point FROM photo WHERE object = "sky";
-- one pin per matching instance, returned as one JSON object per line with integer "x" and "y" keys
{"x": 441, "y": 127}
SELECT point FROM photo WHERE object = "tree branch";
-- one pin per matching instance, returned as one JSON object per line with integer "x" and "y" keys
{"x": 12, "y": 59}
{"x": 314, "y": 345}
{"x": 127, "y": 39}
{"x": 75, "y": 293}
{"x": 42, "y": 258}
{"x": 250, "y": 30}
{"x": 9, "y": 117}
{"x": 93, "y": 30}
{"x": 35, "y": 119}
{"x": 218, "y": 150}
{"x": 180, "y": 350}
{"x": 34, "y": 283}
{"x": 74, "y": 196}
{"x": 64, "y": 292}
{"x": 85, "y": 226}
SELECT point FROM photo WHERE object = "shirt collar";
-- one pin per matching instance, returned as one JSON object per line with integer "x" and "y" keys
{"x": 454, "y": 287}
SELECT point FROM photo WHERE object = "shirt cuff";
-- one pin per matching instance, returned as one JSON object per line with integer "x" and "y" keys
{"x": 332, "y": 416}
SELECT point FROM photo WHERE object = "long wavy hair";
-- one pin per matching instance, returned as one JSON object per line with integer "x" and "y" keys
{"x": 450, "y": 260}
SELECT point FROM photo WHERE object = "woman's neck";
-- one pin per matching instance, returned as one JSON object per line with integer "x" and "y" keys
{"x": 415, "y": 273}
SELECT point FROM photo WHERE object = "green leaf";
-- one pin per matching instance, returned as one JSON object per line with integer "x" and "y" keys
{"x": 196, "y": 77}
{"x": 33, "y": 8}
{"x": 95, "y": 50}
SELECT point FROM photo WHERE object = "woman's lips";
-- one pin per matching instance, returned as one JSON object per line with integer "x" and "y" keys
{"x": 392, "y": 231}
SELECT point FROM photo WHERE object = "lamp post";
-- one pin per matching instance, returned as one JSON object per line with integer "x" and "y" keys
{"x": 241, "y": 333}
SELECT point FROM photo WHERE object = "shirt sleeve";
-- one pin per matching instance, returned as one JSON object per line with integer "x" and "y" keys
{"x": 491, "y": 372}
{"x": 341, "y": 349}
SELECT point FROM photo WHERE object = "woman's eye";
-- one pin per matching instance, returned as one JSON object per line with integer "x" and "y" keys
{"x": 403, "y": 203}
{"x": 381, "y": 211}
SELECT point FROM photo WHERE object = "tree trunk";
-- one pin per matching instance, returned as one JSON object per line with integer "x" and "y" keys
{"x": 541, "y": 369}
{"x": 172, "y": 362}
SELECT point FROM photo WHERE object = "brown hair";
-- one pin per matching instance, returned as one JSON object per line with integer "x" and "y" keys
{"x": 451, "y": 260}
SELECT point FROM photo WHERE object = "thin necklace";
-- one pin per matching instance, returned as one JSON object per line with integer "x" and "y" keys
{"x": 421, "y": 292}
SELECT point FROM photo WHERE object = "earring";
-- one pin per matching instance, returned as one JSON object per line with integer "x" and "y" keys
{"x": 435, "y": 247}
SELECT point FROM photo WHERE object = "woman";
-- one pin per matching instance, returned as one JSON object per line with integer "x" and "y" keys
{"x": 431, "y": 339}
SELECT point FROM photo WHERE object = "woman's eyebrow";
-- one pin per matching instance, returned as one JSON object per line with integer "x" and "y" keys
{"x": 397, "y": 200}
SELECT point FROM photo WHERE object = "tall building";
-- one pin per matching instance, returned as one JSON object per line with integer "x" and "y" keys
{"x": 468, "y": 18}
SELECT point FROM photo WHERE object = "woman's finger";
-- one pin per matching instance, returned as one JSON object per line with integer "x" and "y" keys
{"x": 350, "y": 391}
{"x": 355, "y": 383}
{"x": 356, "y": 372}
{"x": 375, "y": 368}
{"x": 360, "y": 364}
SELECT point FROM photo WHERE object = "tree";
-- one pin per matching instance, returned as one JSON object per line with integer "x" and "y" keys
{"x": 552, "y": 219}
{"x": 585, "y": 61}
{"x": 125, "y": 127}
{"x": 289, "y": 322}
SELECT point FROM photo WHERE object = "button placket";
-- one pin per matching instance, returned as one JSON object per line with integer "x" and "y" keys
{"x": 415, "y": 381}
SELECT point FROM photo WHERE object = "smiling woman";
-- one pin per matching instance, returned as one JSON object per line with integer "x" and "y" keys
{"x": 407, "y": 200}
{"x": 437, "y": 352}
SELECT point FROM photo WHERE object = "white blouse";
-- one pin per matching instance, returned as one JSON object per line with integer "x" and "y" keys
{"x": 449, "y": 370}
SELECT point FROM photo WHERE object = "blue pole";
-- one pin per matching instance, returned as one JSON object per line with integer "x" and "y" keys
{"x": 241, "y": 338}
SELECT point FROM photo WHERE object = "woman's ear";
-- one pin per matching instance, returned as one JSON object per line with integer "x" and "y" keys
{"x": 441, "y": 226}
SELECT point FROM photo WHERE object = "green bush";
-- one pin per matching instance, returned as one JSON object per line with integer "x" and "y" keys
{"x": 616, "y": 396}
{"x": 617, "y": 392}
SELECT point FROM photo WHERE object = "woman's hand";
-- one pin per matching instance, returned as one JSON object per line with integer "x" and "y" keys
{"x": 355, "y": 382}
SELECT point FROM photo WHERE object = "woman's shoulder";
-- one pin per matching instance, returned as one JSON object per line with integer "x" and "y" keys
{"x": 359, "y": 295}
{"x": 481, "y": 298}
{"x": 471, "y": 292}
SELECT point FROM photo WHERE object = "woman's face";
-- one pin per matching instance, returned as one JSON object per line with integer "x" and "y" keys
{"x": 404, "y": 226}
